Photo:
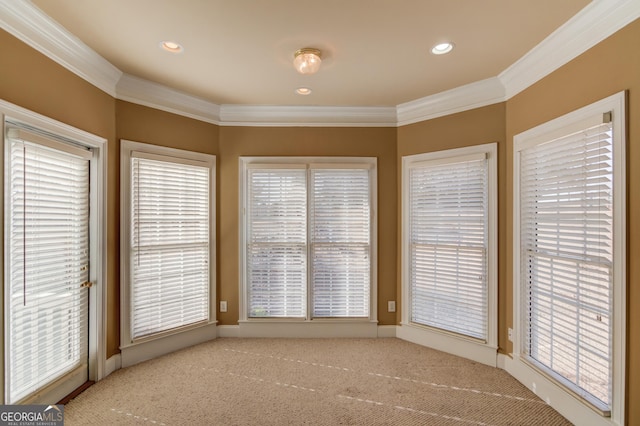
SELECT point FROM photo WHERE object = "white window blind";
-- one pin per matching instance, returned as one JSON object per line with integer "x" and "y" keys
{"x": 308, "y": 233}
{"x": 448, "y": 238}
{"x": 47, "y": 261}
{"x": 170, "y": 249}
{"x": 340, "y": 242}
{"x": 566, "y": 226}
{"x": 277, "y": 242}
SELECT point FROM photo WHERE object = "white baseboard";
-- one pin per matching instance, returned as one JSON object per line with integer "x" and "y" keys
{"x": 228, "y": 331}
{"x": 458, "y": 346}
{"x": 308, "y": 329}
{"x": 113, "y": 363}
{"x": 501, "y": 361}
{"x": 384, "y": 331}
{"x": 139, "y": 352}
{"x": 387, "y": 331}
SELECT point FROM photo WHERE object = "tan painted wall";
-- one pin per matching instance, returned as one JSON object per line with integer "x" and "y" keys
{"x": 475, "y": 127}
{"x": 306, "y": 141}
{"x": 31, "y": 80}
{"x": 608, "y": 68}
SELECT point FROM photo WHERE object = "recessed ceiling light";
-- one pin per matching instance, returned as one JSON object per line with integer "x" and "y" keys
{"x": 442, "y": 48}
{"x": 171, "y": 46}
{"x": 303, "y": 91}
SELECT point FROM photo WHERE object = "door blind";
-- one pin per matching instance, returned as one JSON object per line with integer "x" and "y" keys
{"x": 277, "y": 242}
{"x": 170, "y": 248}
{"x": 566, "y": 205}
{"x": 48, "y": 263}
{"x": 340, "y": 216}
{"x": 448, "y": 245}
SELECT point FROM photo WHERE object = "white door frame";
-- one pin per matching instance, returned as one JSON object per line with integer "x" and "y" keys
{"x": 97, "y": 233}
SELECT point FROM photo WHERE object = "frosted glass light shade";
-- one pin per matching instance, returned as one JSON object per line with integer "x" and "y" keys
{"x": 307, "y": 60}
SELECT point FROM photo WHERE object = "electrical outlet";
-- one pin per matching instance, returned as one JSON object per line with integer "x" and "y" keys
{"x": 510, "y": 334}
{"x": 223, "y": 306}
{"x": 391, "y": 306}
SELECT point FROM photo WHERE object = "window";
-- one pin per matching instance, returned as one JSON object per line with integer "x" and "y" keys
{"x": 169, "y": 239}
{"x": 308, "y": 238}
{"x": 449, "y": 241}
{"x": 570, "y": 186}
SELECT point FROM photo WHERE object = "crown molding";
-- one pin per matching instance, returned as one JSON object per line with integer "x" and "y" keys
{"x": 28, "y": 23}
{"x": 144, "y": 92}
{"x": 463, "y": 98}
{"x": 316, "y": 116}
{"x": 594, "y": 23}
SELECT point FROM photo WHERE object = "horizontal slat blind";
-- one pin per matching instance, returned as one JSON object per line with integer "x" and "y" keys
{"x": 277, "y": 242}
{"x": 48, "y": 262}
{"x": 448, "y": 245}
{"x": 566, "y": 220}
{"x": 340, "y": 242}
{"x": 169, "y": 245}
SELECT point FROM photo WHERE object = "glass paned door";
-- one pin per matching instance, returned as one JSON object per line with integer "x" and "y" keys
{"x": 47, "y": 262}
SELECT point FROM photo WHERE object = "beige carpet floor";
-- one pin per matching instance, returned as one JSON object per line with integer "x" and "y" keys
{"x": 309, "y": 382}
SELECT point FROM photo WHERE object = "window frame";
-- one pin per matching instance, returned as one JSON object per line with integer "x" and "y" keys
{"x": 458, "y": 344}
{"x": 561, "y": 396}
{"x": 244, "y": 163}
{"x": 150, "y": 346}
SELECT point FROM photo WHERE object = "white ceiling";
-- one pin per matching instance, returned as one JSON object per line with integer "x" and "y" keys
{"x": 375, "y": 52}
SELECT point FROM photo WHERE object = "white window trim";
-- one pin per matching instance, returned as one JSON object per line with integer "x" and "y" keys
{"x": 134, "y": 351}
{"x": 558, "y": 396}
{"x": 318, "y": 327}
{"x": 98, "y": 231}
{"x": 484, "y": 352}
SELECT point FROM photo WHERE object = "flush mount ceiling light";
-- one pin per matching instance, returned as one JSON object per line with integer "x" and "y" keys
{"x": 171, "y": 46}
{"x": 303, "y": 91}
{"x": 307, "y": 60}
{"x": 442, "y": 48}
